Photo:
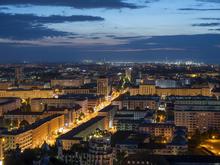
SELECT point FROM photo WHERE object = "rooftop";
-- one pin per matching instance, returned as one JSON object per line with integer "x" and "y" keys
{"x": 139, "y": 97}
{"x": 7, "y": 100}
{"x": 20, "y": 112}
{"x": 190, "y": 98}
{"x": 157, "y": 125}
{"x": 197, "y": 107}
{"x": 75, "y": 99}
{"x": 108, "y": 108}
{"x": 79, "y": 96}
{"x": 32, "y": 126}
{"x": 75, "y": 107}
{"x": 69, "y": 135}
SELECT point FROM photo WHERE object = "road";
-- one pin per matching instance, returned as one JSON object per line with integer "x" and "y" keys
{"x": 212, "y": 146}
{"x": 51, "y": 140}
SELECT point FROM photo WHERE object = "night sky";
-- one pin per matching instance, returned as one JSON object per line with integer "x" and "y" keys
{"x": 116, "y": 30}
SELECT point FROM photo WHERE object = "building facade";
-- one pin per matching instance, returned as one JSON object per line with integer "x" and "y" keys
{"x": 28, "y": 94}
{"x": 199, "y": 115}
{"x": 146, "y": 89}
{"x": 9, "y": 104}
{"x": 67, "y": 82}
{"x": 33, "y": 135}
{"x": 103, "y": 86}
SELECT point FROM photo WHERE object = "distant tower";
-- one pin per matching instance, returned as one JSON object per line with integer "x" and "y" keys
{"x": 128, "y": 72}
{"x": 139, "y": 75}
{"x": 102, "y": 86}
{"x": 18, "y": 75}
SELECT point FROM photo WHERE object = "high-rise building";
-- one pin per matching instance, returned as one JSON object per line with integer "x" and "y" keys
{"x": 96, "y": 151}
{"x": 166, "y": 83}
{"x": 199, "y": 115}
{"x": 128, "y": 73}
{"x": 100, "y": 151}
{"x": 102, "y": 86}
{"x": 33, "y": 136}
{"x": 18, "y": 74}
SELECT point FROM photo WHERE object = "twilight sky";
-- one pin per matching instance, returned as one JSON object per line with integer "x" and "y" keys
{"x": 116, "y": 30}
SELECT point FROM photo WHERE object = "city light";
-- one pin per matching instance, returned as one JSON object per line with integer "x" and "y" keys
{"x": 129, "y": 113}
{"x": 109, "y": 82}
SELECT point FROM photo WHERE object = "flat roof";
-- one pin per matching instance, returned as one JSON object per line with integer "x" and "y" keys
{"x": 4, "y": 101}
{"x": 75, "y": 99}
{"x": 184, "y": 88}
{"x": 79, "y": 96}
{"x": 108, "y": 108}
{"x": 32, "y": 126}
{"x": 140, "y": 97}
{"x": 157, "y": 124}
{"x": 124, "y": 115}
{"x": 20, "y": 112}
{"x": 70, "y": 135}
{"x": 75, "y": 107}
{"x": 130, "y": 121}
{"x": 123, "y": 110}
{"x": 190, "y": 98}
{"x": 21, "y": 89}
{"x": 197, "y": 107}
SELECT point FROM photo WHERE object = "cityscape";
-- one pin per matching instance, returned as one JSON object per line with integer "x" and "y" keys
{"x": 91, "y": 113}
{"x": 109, "y": 82}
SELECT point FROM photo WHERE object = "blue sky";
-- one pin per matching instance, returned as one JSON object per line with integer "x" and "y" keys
{"x": 129, "y": 30}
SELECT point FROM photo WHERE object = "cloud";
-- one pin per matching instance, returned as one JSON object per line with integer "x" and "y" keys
{"x": 62, "y": 41}
{"x": 215, "y": 19}
{"x": 212, "y": 1}
{"x": 207, "y": 24}
{"x": 126, "y": 37}
{"x": 3, "y": 8}
{"x": 137, "y": 50}
{"x": 199, "y": 9}
{"x": 217, "y": 29}
{"x": 74, "y": 3}
{"x": 190, "y": 47}
{"x": 28, "y": 26}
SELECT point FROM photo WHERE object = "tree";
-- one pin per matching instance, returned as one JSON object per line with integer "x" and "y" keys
{"x": 29, "y": 155}
{"x": 14, "y": 124}
{"x": 91, "y": 110}
{"x": 77, "y": 148}
{"x": 25, "y": 107}
{"x": 7, "y": 122}
{"x": 120, "y": 157}
{"x": 23, "y": 123}
{"x": 24, "y": 158}
{"x": 81, "y": 116}
{"x": 195, "y": 140}
{"x": 160, "y": 116}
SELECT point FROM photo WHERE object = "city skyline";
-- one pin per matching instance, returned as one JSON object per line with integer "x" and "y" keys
{"x": 115, "y": 30}
{"x": 109, "y": 82}
{"x": 109, "y": 114}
